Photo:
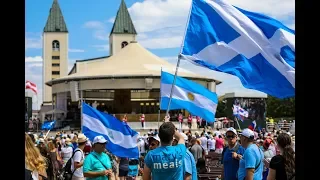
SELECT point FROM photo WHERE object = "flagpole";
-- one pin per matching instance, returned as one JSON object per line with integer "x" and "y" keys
{"x": 159, "y": 110}
{"x": 236, "y": 119}
{"x": 81, "y": 109}
{"x": 178, "y": 63}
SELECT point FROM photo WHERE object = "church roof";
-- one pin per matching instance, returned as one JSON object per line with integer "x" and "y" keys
{"x": 123, "y": 23}
{"x": 133, "y": 61}
{"x": 55, "y": 22}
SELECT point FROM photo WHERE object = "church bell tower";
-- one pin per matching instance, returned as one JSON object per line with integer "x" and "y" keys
{"x": 123, "y": 31}
{"x": 55, "y": 50}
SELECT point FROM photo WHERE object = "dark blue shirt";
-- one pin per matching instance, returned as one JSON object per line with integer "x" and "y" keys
{"x": 230, "y": 164}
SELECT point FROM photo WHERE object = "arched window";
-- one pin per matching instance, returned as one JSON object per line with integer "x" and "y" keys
{"x": 124, "y": 44}
{"x": 55, "y": 45}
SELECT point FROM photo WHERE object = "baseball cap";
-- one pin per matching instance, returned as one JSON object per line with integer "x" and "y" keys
{"x": 247, "y": 133}
{"x": 232, "y": 130}
{"x": 99, "y": 139}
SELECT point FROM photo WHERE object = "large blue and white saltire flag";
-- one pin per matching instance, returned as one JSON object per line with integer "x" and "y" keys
{"x": 48, "y": 125}
{"x": 188, "y": 95}
{"x": 258, "y": 49}
{"x": 122, "y": 140}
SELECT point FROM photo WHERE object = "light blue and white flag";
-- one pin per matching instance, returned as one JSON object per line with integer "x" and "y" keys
{"x": 259, "y": 50}
{"x": 48, "y": 125}
{"x": 122, "y": 140}
{"x": 188, "y": 95}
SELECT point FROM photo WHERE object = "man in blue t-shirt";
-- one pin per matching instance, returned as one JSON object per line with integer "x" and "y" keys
{"x": 251, "y": 165}
{"x": 190, "y": 168}
{"x": 166, "y": 161}
{"x": 231, "y": 155}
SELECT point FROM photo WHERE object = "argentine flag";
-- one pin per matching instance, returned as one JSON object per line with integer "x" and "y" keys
{"x": 122, "y": 140}
{"x": 259, "y": 50}
{"x": 188, "y": 95}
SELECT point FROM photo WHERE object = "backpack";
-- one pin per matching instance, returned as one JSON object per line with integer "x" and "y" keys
{"x": 67, "y": 173}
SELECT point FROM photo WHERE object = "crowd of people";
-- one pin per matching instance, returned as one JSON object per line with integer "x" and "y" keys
{"x": 165, "y": 153}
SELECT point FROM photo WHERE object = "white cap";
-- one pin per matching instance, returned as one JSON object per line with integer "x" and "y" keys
{"x": 99, "y": 139}
{"x": 232, "y": 130}
{"x": 247, "y": 133}
{"x": 156, "y": 137}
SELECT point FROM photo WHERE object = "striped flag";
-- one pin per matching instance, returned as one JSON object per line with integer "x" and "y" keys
{"x": 32, "y": 86}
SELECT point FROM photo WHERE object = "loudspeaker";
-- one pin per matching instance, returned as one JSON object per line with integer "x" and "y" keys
{"x": 74, "y": 91}
{"x": 149, "y": 82}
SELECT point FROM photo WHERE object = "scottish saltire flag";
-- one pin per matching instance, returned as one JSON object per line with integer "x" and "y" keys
{"x": 122, "y": 140}
{"x": 239, "y": 112}
{"x": 259, "y": 50}
{"x": 48, "y": 125}
{"x": 188, "y": 95}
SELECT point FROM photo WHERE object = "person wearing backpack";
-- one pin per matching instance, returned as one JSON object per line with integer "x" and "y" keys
{"x": 231, "y": 155}
{"x": 78, "y": 158}
{"x": 251, "y": 165}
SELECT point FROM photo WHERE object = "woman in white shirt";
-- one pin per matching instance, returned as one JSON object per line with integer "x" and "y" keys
{"x": 66, "y": 152}
{"x": 211, "y": 144}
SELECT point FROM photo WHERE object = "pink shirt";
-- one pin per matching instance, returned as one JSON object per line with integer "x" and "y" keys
{"x": 219, "y": 143}
{"x": 189, "y": 119}
{"x": 180, "y": 118}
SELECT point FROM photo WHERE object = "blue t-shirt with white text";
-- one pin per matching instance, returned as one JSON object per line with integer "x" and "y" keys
{"x": 166, "y": 162}
{"x": 230, "y": 164}
{"x": 250, "y": 160}
{"x": 190, "y": 165}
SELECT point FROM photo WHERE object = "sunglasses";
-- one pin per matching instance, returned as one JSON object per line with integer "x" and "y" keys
{"x": 231, "y": 137}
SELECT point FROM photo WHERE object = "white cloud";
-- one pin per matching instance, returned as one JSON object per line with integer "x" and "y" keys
{"x": 33, "y": 73}
{"x": 101, "y": 35}
{"x": 94, "y": 25}
{"x": 33, "y": 59}
{"x": 153, "y": 15}
{"x": 102, "y": 47}
{"x": 76, "y": 50}
{"x": 292, "y": 26}
{"x": 33, "y": 41}
{"x": 111, "y": 20}
{"x": 160, "y": 38}
{"x": 99, "y": 29}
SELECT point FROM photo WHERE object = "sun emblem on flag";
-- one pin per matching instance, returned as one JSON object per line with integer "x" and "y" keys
{"x": 110, "y": 134}
{"x": 190, "y": 96}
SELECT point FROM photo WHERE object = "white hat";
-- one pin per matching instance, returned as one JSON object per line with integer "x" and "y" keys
{"x": 99, "y": 139}
{"x": 41, "y": 140}
{"x": 232, "y": 130}
{"x": 247, "y": 133}
{"x": 156, "y": 137}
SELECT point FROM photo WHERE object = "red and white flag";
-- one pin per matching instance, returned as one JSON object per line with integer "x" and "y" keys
{"x": 32, "y": 86}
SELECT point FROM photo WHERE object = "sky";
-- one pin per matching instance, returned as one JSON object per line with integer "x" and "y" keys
{"x": 160, "y": 25}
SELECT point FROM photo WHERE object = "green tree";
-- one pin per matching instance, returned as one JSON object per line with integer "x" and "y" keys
{"x": 221, "y": 109}
{"x": 278, "y": 108}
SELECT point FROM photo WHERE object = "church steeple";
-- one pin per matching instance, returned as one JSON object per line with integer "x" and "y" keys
{"x": 123, "y": 23}
{"x": 55, "y": 22}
